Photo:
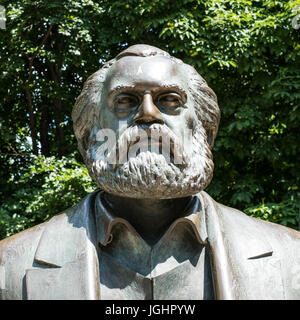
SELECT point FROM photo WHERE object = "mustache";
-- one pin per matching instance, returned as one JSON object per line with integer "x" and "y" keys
{"x": 157, "y": 137}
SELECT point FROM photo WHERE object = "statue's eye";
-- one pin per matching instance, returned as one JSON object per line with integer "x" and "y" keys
{"x": 124, "y": 102}
{"x": 169, "y": 100}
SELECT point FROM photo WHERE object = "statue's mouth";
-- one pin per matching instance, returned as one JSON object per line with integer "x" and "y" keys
{"x": 158, "y": 142}
{"x": 153, "y": 144}
{"x": 146, "y": 142}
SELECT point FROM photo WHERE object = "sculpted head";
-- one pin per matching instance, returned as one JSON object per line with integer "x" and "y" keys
{"x": 145, "y": 90}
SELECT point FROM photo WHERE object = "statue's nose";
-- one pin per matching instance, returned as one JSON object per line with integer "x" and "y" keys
{"x": 148, "y": 112}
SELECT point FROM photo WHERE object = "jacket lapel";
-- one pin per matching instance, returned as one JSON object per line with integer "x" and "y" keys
{"x": 66, "y": 263}
{"x": 244, "y": 265}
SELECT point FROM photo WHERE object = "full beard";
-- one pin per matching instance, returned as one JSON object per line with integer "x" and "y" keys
{"x": 151, "y": 175}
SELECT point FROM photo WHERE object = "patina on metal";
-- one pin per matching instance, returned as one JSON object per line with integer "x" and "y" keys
{"x": 150, "y": 232}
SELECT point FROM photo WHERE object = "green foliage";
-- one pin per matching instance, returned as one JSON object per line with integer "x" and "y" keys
{"x": 285, "y": 212}
{"x": 247, "y": 50}
{"x": 47, "y": 187}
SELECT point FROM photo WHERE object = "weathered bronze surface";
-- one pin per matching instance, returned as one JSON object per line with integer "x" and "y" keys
{"x": 150, "y": 232}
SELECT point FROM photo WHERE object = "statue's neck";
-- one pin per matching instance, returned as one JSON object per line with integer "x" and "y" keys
{"x": 150, "y": 217}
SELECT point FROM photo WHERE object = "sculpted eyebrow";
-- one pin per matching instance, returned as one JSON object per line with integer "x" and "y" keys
{"x": 165, "y": 86}
{"x": 120, "y": 88}
{"x": 176, "y": 88}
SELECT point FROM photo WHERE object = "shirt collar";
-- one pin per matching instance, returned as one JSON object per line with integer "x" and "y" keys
{"x": 105, "y": 221}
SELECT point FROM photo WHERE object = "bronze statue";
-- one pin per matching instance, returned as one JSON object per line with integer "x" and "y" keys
{"x": 150, "y": 232}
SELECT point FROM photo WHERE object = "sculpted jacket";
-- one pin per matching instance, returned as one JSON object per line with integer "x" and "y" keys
{"x": 251, "y": 258}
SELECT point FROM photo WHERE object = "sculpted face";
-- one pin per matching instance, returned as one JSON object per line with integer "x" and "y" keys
{"x": 145, "y": 90}
{"x": 151, "y": 93}
{"x": 145, "y": 97}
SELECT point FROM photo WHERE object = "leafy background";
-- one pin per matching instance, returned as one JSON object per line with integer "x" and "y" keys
{"x": 247, "y": 50}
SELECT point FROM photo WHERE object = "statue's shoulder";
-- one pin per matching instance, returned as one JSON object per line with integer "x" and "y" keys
{"x": 18, "y": 244}
{"x": 18, "y": 252}
{"x": 27, "y": 240}
{"x": 232, "y": 217}
{"x": 16, "y": 255}
{"x": 22, "y": 245}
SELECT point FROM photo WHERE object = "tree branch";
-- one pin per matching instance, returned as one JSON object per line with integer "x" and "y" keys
{"x": 37, "y": 51}
{"x": 28, "y": 93}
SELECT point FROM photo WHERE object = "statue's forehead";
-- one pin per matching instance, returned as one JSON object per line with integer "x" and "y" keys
{"x": 158, "y": 70}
